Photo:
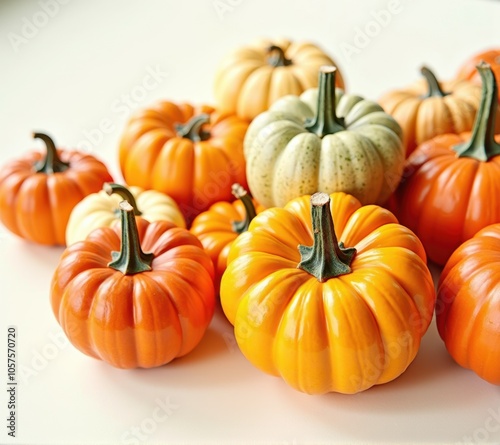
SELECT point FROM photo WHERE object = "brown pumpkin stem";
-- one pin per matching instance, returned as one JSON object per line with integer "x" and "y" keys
{"x": 240, "y": 193}
{"x": 326, "y": 121}
{"x": 277, "y": 57}
{"x": 193, "y": 128}
{"x": 434, "y": 89}
{"x": 130, "y": 259}
{"x": 50, "y": 163}
{"x": 326, "y": 258}
{"x": 111, "y": 187}
{"x": 482, "y": 145}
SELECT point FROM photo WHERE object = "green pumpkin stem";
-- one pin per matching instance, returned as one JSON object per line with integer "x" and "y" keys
{"x": 277, "y": 57}
{"x": 434, "y": 89}
{"x": 240, "y": 193}
{"x": 130, "y": 259}
{"x": 326, "y": 121}
{"x": 482, "y": 145}
{"x": 50, "y": 163}
{"x": 193, "y": 128}
{"x": 123, "y": 192}
{"x": 326, "y": 258}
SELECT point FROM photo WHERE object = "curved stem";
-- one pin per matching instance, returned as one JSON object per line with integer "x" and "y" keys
{"x": 193, "y": 128}
{"x": 111, "y": 187}
{"x": 130, "y": 259}
{"x": 326, "y": 121}
{"x": 50, "y": 163}
{"x": 482, "y": 145}
{"x": 240, "y": 193}
{"x": 277, "y": 57}
{"x": 432, "y": 83}
{"x": 326, "y": 258}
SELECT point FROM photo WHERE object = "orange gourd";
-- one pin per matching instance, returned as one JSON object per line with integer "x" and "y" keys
{"x": 328, "y": 294}
{"x": 192, "y": 154}
{"x": 221, "y": 224}
{"x": 451, "y": 184}
{"x": 468, "y": 304}
{"x": 39, "y": 191}
{"x": 139, "y": 294}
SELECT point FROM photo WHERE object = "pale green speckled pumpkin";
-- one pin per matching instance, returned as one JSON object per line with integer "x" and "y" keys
{"x": 350, "y": 145}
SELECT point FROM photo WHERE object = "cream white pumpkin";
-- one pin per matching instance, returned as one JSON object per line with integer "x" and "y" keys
{"x": 102, "y": 209}
{"x": 323, "y": 140}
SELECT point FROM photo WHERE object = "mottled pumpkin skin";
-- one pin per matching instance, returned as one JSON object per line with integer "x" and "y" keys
{"x": 285, "y": 160}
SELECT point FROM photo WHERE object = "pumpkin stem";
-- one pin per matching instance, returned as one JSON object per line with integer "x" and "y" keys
{"x": 326, "y": 258}
{"x": 50, "y": 163}
{"x": 277, "y": 57}
{"x": 111, "y": 187}
{"x": 193, "y": 128}
{"x": 240, "y": 193}
{"x": 482, "y": 145}
{"x": 326, "y": 121}
{"x": 130, "y": 259}
{"x": 432, "y": 83}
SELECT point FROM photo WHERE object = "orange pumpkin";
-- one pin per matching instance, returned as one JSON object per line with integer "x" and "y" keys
{"x": 193, "y": 155}
{"x": 451, "y": 184}
{"x": 250, "y": 78}
{"x": 328, "y": 294}
{"x": 468, "y": 71}
{"x": 221, "y": 224}
{"x": 39, "y": 190}
{"x": 428, "y": 108}
{"x": 468, "y": 304}
{"x": 136, "y": 295}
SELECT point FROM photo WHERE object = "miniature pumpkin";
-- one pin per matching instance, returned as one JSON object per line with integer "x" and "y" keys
{"x": 323, "y": 140}
{"x": 328, "y": 316}
{"x": 428, "y": 108}
{"x": 102, "y": 209}
{"x": 252, "y": 77}
{"x": 191, "y": 154}
{"x": 39, "y": 191}
{"x": 451, "y": 186}
{"x": 220, "y": 225}
{"x": 468, "y": 71}
{"x": 139, "y": 294}
{"x": 468, "y": 304}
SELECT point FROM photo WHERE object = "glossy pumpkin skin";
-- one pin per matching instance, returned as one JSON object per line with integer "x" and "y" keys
{"x": 448, "y": 195}
{"x": 344, "y": 334}
{"x": 468, "y": 305}
{"x": 251, "y": 78}
{"x": 36, "y": 205}
{"x": 195, "y": 169}
{"x": 130, "y": 320}
{"x": 429, "y": 108}
{"x": 468, "y": 69}
{"x": 101, "y": 209}
{"x": 219, "y": 226}
{"x": 323, "y": 140}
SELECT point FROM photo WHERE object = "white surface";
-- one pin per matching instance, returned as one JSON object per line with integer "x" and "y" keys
{"x": 74, "y": 74}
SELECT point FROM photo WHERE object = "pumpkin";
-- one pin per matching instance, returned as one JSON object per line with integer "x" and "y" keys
{"x": 221, "y": 224}
{"x": 429, "y": 108}
{"x": 191, "y": 154}
{"x": 468, "y": 71}
{"x": 323, "y": 140}
{"x": 139, "y": 294}
{"x": 38, "y": 191}
{"x": 101, "y": 209}
{"x": 252, "y": 77}
{"x": 468, "y": 304}
{"x": 451, "y": 186}
{"x": 344, "y": 311}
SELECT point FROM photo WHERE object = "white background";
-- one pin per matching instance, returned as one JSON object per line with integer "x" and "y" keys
{"x": 81, "y": 69}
